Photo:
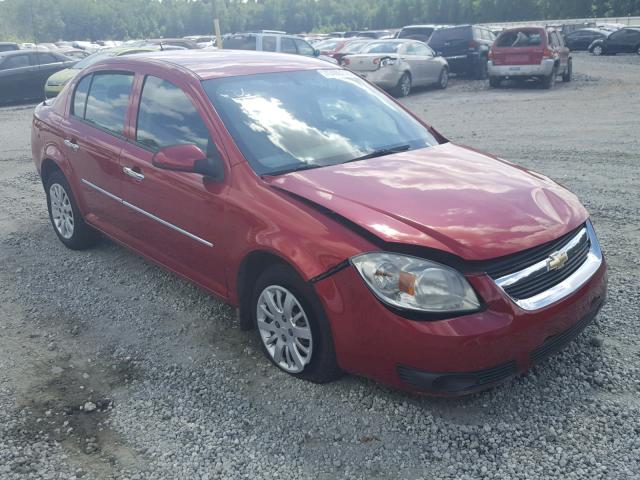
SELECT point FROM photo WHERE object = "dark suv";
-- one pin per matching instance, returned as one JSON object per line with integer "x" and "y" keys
{"x": 465, "y": 47}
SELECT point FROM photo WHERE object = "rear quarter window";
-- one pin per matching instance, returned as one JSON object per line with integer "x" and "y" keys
{"x": 520, "y": 39}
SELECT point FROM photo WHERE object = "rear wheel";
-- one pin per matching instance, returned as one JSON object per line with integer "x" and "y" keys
{"x": 495, "y": 82}
{"x": 403, "y": 88}
{"x": 293, "y": 329}
{"x": 638, "y": 50}
{"x": 443, "y": 80}
{"x": 65, "y": 216}
{"x": 550, "y": 80}
{"x": 566, "y": 76}
{"x": 597, "y": 50}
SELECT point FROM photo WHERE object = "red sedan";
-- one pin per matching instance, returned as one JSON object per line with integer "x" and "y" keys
{"x": 352, "y": 236}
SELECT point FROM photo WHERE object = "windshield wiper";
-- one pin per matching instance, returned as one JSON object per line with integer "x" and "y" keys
{"x": 308, "y": 166}
{"x": 381, "y": 152}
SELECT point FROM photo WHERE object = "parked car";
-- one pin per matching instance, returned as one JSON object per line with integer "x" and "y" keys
{"x": 529, "y": 52}
{"x": 272, "y": 42}
{"x": 466, "y": 48}
{"x": 625, "y": 40}
{"x": 73, "y": 53}
{"x": 417, "y": 32}
{"x": 23, "y": 73}
{"x": 57, "y": 81}
{"x": 581, "y": 39}
{"x": 354, "y": 46}
{"x": 352, "y": 236}
{"x": 8, "y": 46}
{"x": 399, "y": 65}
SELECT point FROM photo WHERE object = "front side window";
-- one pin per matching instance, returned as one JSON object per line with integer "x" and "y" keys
{"x": 304, "y": 48}
{"x": 167, "y": 117}
{"x": 306, "y": 119}
{"x": 287, "y": 45}
{"x": 108, "y": 100}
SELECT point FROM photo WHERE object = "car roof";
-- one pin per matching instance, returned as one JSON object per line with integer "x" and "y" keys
{"x": 208, "y": 64}
{"x": 10, "y": 53}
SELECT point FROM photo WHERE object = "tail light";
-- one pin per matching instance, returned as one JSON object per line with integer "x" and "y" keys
{"x": 472, "y": 45}
{"x": 491, "y": 54}
{"x": 345, "y": 61}
{"x": 547, "y": 53}
{"x": 376, "y": 61}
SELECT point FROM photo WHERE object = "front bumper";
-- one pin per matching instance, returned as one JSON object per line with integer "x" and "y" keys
{"x": 542, "y": 69}
{"x": 455, "y": 356}
{"x": 384, "y": 77}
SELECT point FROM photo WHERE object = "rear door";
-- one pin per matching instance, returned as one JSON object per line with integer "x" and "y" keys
{"x": 560, "y": 50}
{"x": 417, "y": 61}
{"x": 176, "y": 217}
{"x": 93, "y": 138}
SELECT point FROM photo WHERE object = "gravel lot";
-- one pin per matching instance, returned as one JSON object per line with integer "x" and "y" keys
{"x": 113, "y": 368}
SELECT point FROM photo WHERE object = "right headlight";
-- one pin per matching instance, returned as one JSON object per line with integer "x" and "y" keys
{"x": 416, "y": 284}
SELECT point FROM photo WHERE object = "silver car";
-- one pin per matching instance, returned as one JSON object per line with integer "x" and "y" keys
{"x": 399, "y": 65}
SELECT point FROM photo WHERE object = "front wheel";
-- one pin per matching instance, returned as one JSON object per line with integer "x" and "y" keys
{"x": 568, "y": 74}
{"x": 403, "y": 88}
{"x": 597, "y": 50}
{"x": 443, "y": 80}
{"x": 638, "y": 50}
{"x": 482, "y": 69}
{"x": 65, "y": 216}
{"x": 293, "y": 329}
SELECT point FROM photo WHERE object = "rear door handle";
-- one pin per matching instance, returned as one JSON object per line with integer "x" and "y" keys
{"x": 71, "y": 145}
{"x": 133, "y": 174}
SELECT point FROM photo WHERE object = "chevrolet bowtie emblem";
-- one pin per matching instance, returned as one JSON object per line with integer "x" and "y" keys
{"x": 557, "y": 260}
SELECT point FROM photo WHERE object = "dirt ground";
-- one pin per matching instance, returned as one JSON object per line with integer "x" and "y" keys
{"x": 180, "y": 392}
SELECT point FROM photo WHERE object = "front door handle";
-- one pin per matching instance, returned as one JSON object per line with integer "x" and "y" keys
{"x": 73, "y": 146}
{"x": 133, "y": 174}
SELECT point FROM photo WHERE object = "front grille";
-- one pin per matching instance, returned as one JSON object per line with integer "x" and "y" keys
{"x": 521, "y": 260}
{"x": 531, "y": 287}
{"x": 553, "y": 344}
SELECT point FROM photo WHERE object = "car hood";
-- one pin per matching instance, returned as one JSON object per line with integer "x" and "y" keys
{"x": 62, "y": 76}
{"x": 446, "y": 197}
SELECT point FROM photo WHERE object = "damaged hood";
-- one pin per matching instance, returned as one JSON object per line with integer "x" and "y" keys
{"x": 446, "y": 197}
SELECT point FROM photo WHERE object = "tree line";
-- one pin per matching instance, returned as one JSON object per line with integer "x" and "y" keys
{"x": 51, "y": 20}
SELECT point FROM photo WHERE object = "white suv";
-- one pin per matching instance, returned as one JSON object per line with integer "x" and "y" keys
{"x": 272, "y": 42}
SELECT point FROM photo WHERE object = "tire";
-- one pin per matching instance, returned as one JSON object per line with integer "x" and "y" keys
{"x": 495, "y": 82}
{"x": 566, "y": 76}
{"x": 307, "y": 352}
{"x": 597, "y": 50}
{"x": 403, "y": 88}
{"x": 638, "y": 50}
{"x": 481, "y": 70}
{"x": 65, "y": 216}
{"x": 550, "y": 80}
{"x": 443, "y": 79}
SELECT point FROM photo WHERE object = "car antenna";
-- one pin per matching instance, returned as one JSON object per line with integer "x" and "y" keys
{"x": 35, "y": 42}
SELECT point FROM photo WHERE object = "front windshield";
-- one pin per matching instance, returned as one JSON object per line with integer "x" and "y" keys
{"x": 91, "y": 59}
{"x": 382, "y": 47}
{"x": 295, "y": 120}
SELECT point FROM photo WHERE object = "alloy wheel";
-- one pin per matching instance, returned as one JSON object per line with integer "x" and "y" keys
{"x": 444, "y": 78}
{"x": 61, "y": 211}
{"x": 405, "y": 85}
{"x": 284, "y": 329}
{"x": 597, "y": 50}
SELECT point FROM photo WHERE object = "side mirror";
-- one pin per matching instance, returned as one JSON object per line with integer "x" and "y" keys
{"x": 316, "y": 52}
{"x": 188, "y": 158}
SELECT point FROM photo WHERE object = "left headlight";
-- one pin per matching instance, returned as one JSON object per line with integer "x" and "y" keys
{"x": 416, "y": 284}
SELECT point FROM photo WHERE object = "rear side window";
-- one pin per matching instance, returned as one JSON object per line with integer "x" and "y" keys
{"x": 269, "y": 44}
{"x": 80, "y": 97}
{"x": 44, "y": 58}
{"x": 108, "y": 101}
{"x": 520, "y": 39}
{"x": 15, "y": 61}
{"x": 167, "y": 117}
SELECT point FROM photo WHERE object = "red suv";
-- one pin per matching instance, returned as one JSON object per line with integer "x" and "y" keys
{"x": 352, "y": 236}
{"x": 529, "y": 52}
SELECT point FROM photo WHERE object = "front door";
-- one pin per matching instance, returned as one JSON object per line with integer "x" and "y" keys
{"x": 176, "y": 217}
{"x": 93, "y": 140}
